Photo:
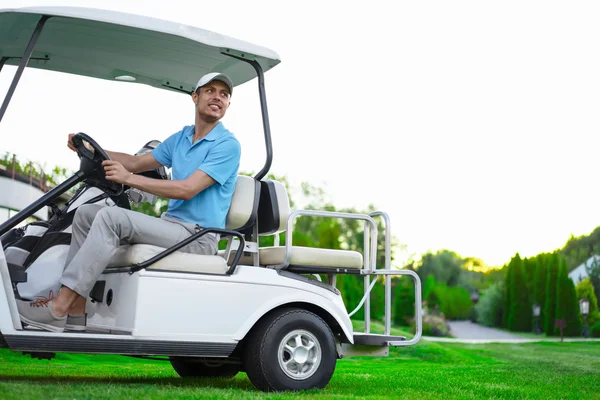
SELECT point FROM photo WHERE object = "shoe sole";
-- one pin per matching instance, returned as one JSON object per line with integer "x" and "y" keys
{"x": 75, "y": 328}
{"x": 39, "y": 325}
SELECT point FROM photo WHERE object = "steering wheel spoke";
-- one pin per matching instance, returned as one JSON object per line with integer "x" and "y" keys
{"x": 91, "y": 156}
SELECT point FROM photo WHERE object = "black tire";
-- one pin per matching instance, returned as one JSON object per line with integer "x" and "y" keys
{"x": 266, "y": 345}
{"x": 193, "y": 368}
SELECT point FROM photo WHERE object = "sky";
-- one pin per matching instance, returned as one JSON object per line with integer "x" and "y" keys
{"x": 473, "y": 124}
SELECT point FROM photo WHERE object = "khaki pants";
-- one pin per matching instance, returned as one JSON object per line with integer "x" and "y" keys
{"x": 98, "y": 231}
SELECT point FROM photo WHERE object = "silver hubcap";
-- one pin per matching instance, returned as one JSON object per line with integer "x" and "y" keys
{"x": 299, "y": 354}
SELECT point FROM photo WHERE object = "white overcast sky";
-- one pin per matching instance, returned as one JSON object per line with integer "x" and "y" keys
{"x": 474, "y": 124}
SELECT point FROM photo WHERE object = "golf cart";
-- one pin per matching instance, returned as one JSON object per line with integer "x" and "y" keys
{"x": 262, "y": 310}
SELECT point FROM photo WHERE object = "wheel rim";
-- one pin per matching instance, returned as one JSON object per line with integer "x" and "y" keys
{"x": 299, "y": 354}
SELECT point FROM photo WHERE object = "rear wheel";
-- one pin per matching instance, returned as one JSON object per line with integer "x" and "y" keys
{"x": 292, "y": 349}
{"x": 194, "y": 368}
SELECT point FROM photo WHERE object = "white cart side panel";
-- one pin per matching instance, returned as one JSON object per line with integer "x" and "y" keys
{"x": 213, "y": 308}
{"x": 119, "y": 316}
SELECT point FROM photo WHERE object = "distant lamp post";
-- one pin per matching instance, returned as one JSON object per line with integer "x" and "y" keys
{"x": 536, "y": 313}
{"x": 584, "y": 307}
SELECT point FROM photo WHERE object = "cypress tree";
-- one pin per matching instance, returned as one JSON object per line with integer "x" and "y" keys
{"x": 561, "y": 295}
{"x": 507, "y": 285}
{"x": 550, "y": 304}
{"x": 529, "y": 266}
{"x": 574, "y": 322}
{"x": 539, "y": 288}
{"x": 519, "y": 318}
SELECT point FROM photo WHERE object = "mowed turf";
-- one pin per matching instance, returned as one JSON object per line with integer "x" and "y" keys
{"x": 425, "y": 371}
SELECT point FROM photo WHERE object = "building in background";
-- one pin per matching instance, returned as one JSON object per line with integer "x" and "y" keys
{"x": 17, "y": 192}
{"x": 19, "y": 189}
{"x": 580, "y": 272}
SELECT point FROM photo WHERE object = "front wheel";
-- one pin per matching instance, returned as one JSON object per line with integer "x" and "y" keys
{"x": 193, "y": 368}
{"x": 292, "y": 349}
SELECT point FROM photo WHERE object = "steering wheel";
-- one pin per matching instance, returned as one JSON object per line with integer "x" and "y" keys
{"x": 91, "y": 156}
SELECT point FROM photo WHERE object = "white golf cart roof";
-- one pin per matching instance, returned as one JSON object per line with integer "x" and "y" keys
{"x": 115, "y": 45}
{"x": 127, "y": 47}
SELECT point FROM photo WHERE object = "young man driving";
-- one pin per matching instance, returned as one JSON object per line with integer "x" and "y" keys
{"x": 204, "y": 160}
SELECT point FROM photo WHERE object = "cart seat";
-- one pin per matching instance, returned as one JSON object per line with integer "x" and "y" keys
{"x": 178, "y": 261}
{"x": 304, "y": 256}
{"x": 241, "y": 216}
{"x": 273, "y": 212}
{"x": 310, "y": 256}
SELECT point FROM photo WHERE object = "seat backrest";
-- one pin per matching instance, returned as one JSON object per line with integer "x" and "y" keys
{"x": 244, "y": 204}
{"x": 273, "y": 208}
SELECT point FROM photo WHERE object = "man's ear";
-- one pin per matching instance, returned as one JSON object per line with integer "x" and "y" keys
{"x": 195, "y": 98}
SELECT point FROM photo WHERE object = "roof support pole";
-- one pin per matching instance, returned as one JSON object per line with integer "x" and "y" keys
{"x": 3, "y": 61}
{"x": 265, "y": 119}
{"x": 23, "y": 63}
{"x": 265, "y": 114}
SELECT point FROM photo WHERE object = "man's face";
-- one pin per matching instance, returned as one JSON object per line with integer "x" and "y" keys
{"x": 212, "y": 101}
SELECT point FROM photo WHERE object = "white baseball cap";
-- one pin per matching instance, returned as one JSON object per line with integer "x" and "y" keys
{"x": 215, "y": 76}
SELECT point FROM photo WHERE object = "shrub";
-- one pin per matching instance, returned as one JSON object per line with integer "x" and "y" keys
{"x": 593, "y": 318}
{"x": 434, "y": 325}
{"x": 595, "y": 331}
{"x": 585, "y": 290}
{"x": 489, "y": 307}
{"x": 455, "y": 302}
{"x": 404, "y": 303}
{"x": 473, "y": 315}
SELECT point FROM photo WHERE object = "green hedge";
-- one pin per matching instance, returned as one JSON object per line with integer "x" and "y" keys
{"x": 595, "y": 331}
{"x": 455, "y": 302}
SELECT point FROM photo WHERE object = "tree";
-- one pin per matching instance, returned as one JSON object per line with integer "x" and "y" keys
{"x": 551, "y": 283}
{"x": 585, "y": 290}
{"x": 519, "y": 317}
{"x": 539, "y": 286}
{"x": 578, "y": 249}
{"x": 444, "y": 265}
{"x": 566, "y": 303}
{"x": 155, "y": 210}
{"x": 593, "y": 271}
{"x": 429, "y": 284}
{"x": 507, "y": 298}
{"x": 529, "y": 267}
{"x": 404, "y": 302}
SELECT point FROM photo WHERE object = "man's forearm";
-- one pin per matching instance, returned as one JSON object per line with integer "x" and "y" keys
{"x": 127, "y": 160}
{"x": 178, "y": 189}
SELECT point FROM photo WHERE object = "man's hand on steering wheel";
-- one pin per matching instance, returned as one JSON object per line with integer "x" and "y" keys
{"x": 115, "y": 171}
{"x": 92, "y": 157}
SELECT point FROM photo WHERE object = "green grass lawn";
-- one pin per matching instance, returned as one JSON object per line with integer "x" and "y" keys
{"x": 425, "y": 371}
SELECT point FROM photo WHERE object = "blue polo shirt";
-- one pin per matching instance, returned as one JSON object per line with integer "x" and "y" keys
{"x": 218, "y": 155}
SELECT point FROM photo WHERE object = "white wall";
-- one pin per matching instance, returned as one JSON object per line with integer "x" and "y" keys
{"x": 18, "y": 195}
{"x": 580, "y": 273}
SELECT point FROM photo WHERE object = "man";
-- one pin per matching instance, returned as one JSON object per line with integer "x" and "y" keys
{"x": 204, "y": 159}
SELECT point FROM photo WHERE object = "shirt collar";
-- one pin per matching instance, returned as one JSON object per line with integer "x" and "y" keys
{"x": 213, "y": 135}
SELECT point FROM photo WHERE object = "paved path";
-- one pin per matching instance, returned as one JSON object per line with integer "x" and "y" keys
{"x": 469, "y": 330}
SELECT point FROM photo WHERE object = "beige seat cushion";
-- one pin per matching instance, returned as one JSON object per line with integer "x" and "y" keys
{"x": 305, "y": 256}
{"x": 245, "y": 259}
{"x": 310, "y": 256}
{"x": 178, "y": 261}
